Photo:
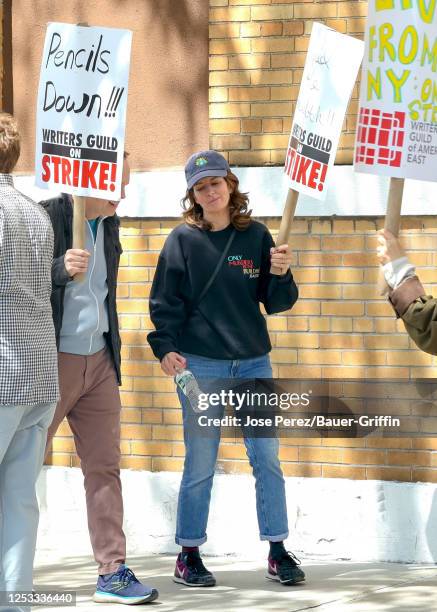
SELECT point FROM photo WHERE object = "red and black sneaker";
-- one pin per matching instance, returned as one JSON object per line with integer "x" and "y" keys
{"x": 285, "y": 569}
{"x": 190, "y": 570}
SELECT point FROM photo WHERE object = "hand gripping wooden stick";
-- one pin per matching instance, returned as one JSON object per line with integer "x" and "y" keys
{"x": 286, "y": 223}
{"x": 79, "y": 228}
{"x": 392, "y": 221}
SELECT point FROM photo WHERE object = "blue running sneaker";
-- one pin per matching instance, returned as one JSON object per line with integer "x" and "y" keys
{"x": 123, "y": 587}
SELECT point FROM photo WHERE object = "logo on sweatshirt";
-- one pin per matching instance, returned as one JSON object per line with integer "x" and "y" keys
{"x": 246, "y": 265}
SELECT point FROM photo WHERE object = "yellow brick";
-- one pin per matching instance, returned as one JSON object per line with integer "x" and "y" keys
{"x": 320, "y": 259}
{"x": 134, "y": 243}
{"x": 271, "y": 77}
{"x": 342, "y": 471}
{"x": 222, "y": 111}
{"x": 316, "y": 11}
{"x": 248, "y": 93}
{"x": 248, "y": 30}
{"x": 379, "y": 309}
{"x": 411, "y": 458}
{"x": 271, "y": 109}
{"x": 356, "y": 26}
{"x": 319, "y": 324}
{"x": 272, "y": 45}
{"x": 61, "y": 459}
{"x": 249, "y": 61}
{"x": 293, "y": 28}
{"x": 387, "y": 342}
{"x": 136, "y": 399}
{"x": 352, "y": 309}
{"x": 272, "y": 125}
{"x": 122, "y": 291}
{"x": 320, "y": 292}
{"x": 356, "y": 292}
{"x": 217, "y": 63}
{"x": 165, "y": 400}
{"x": 284, "y": 356}
{"x": 344, "y": 341}
{"x": 218, "y": 3}
{"x": 302, "y": 470}
{"x": 306, "y": 307}
{"x": 300, "y": 371}
{"x": 140, "y": 290}
{"x": 218, "y": 94}
{"x": 255, "y": 158}
{"x": 297, "y": 323}
{"x": 132, "y": 306}
{"x": 63, "y": 445}
{"x": 129, "y": 322}
{"x": 151, "y": 416}
{"x": 233, "y": 45}
{"x": 269, "y": 13}
{"x": 302, "y": 43}
{"x": 167, "y": 464}
{"x": 277, "y": 323}
{"x": 335, "y": 243}
{"x": 223, "y": 143}
{"x": 250, "y": 125}
{"x": 363, "y": 358}
{"x": 167, "y": 432}
{"x": 131, "y": 415}
{"x": 306, "y": 275}
{"x": 298, "y": 340}
{"x": 232, "y": 451}
{"x": 352, "y": 9}
{"x": 269, "y": 142}
{"x": 151, "y": 448}
{"x": 172, "y": 417}
{"x": 363, "y": 325}
{"x": 320, "y": 455}
{"x": 407, "y": 358}
{"x": 342, "y": 275}
{"x": 154, "y": 384}
{"x": 319, "y": 357}
{"x": 390, "y": 372}
{"x": 136, "y": 368}
{"x": 135, "y": 432}
{"x": 337, "y": 24}
{"x": 143, "y": 259}
{"x": 136, "y": 463}
{"x": 346, "y": 372}
{"x": 343, "y": 226}
{"x": 388, "y": 473}
{"x": 224, "y": 126}
{"x": 229, "y": 14}
{"x": 341, "y": 325}
{"x": 226, "y": 30}
{"x": 132, "y": 275}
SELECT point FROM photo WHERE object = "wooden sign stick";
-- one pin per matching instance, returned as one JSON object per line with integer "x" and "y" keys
{"x": 79, "y": 214}
{"x": 286, "y": 223}
{"x": 392, "y": 220}
{"x": 79, "y": 228}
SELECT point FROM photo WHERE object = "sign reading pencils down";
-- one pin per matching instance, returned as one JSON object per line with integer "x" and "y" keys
{"x": 81, "y": 110}
{"x": 331, "y": 67}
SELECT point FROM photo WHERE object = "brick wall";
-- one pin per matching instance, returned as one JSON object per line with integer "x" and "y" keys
{"x": 257, "y": 55}
{"x": 339, "y": 321}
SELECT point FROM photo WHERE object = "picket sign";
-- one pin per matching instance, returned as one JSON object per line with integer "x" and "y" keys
{"x": 397, "y": 121}
{"x": 81, "y": 114}
{"x": 330, "y": 71}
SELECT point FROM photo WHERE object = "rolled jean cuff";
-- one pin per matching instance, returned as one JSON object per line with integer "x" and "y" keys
{"x": 274, "y": 538}
{"x": 186, "y": 542}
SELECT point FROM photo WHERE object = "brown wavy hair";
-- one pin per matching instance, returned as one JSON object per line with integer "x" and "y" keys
{"x": 238, "y": 207}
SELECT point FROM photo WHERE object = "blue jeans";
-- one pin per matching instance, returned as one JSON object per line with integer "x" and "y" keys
{"x": 23, "y": 434}
{"x": 201, "y": 456}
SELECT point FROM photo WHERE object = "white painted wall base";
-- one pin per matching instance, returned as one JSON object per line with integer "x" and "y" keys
{"x": 329, "y": 518}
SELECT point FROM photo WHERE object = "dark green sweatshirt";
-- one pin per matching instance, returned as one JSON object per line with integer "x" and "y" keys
{"x": 228, "y": 323}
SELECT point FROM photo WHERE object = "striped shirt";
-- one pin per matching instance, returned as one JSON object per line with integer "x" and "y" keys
{"x": 28, "y": 357}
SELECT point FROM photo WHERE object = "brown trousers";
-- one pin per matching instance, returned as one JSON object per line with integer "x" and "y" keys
{"x": 91, "y": 402}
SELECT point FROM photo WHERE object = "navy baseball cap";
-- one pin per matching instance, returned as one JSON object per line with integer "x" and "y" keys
{"x": 203, "y": 164}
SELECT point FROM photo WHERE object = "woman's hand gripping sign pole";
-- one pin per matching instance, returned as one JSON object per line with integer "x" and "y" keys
{"x": 331, "y": 68}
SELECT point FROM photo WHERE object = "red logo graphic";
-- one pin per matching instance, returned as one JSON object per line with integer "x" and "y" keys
{"x": 380, "y": 138}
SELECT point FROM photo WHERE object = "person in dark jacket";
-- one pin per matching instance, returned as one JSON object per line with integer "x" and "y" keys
{"x": 88, "y": 340}
{"x": 222, "y": 336}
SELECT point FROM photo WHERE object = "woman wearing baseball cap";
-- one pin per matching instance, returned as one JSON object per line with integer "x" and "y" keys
{"x": 212, "y": 274}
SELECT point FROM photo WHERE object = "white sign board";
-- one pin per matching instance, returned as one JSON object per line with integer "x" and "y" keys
{"x": 81, "y": 112}
{"x": 397, "y": 122}
{"x": 329, "y": 75}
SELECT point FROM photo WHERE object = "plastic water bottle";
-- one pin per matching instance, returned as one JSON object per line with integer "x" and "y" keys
{"x": 187, "y": 383}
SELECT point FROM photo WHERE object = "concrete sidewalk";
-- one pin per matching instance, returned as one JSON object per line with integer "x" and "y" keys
{"x": 331, "y": 586}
